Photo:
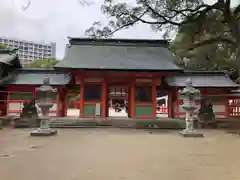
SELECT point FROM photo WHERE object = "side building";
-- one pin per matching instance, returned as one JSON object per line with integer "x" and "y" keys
{"x": 29, "y": 51}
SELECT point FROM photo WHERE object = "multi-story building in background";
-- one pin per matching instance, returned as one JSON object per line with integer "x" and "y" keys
{"x": 29, "y": 51}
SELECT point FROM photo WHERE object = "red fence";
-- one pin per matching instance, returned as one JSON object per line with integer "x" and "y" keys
{"x": 234, "y": 107}
{"x": 162, "y": 109}
{"x": 19, "y": 105}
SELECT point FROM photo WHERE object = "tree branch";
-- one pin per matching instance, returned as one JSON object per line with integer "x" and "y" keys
{"x": 236, "y": 10}
{"x": 123, "y": 26}
{"x": 190, "y": 10}
{"x": 145, "y": 21}
{"x": 189, "y": 18}
{"x": 128, "y": 24}
{"x": 211, "y": 41}
{"x": 165, "y": 20}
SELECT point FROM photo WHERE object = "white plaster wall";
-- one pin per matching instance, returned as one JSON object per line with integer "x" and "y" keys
{"x": 219, "y": 108}
{"x": 15, "y": 106}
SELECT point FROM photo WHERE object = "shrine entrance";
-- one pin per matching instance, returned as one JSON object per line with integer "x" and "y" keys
{"x": 118, "y": 100}
{"x": 117, "y": 94}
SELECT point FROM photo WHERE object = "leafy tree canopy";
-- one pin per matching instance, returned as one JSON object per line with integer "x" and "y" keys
{"x": 48, "y": 63}
{"x": 2, "y": 46}
{"x": 218, "y": 55}
{"x": 208, "y": 35}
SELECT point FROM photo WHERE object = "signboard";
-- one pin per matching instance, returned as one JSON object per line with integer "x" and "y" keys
{"x": 78, "y": 79}
{"x": 98, "y": 110}
{"x": 144, "y": 80}
{"x": 93, "y": 79}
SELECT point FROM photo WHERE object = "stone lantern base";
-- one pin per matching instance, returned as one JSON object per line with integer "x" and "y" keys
{"x": 44, "y": 132}
{"x": 193, "y": 133}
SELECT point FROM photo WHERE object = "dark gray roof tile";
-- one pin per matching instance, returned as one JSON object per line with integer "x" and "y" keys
{"x": 10, "y": 58}
{"x": 202, "y": 79}
{"x": 119, "y": 55}
{"x": 35, "y": 77}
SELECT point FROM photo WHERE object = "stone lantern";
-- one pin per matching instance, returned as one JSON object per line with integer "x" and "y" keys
{"x": 43, "y": 96}
{"x": 189, "y": 95}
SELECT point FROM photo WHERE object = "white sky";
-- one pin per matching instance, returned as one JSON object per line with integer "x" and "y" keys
{"x": 55, "y": 20}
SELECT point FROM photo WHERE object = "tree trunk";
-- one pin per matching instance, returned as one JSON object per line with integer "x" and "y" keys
{"x": 236, "y": 35}
{"x": 238, "y": 62}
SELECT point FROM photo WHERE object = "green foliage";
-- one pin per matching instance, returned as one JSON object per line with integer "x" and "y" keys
{"x": 219, "y": 55}
{"x": 43, "y": 63}
{"x": 161, "y": 15}
{"x": 2, "y": 46}
{"x": 206, "y": 113}
{"x": 208, "y": 35}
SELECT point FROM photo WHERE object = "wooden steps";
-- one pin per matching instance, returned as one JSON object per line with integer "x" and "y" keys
{"x": 117, "y": 123}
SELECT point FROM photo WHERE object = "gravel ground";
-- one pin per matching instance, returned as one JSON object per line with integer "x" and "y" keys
{"x": 118, "y": 154}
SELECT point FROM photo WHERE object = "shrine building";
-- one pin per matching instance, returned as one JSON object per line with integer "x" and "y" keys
{"x": 99, "y": 70}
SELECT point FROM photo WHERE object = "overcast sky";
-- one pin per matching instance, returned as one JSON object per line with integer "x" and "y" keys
{"x": 55, "y": 20}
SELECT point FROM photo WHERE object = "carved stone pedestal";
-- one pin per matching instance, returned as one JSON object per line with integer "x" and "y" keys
{"x": 44, "y": 132}
{"x": 44, "y": 129}
{"x": 190, "y": 131}
{"x": 193, "y": 133}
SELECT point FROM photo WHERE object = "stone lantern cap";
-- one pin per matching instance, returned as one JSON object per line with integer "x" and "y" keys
{"x": 45, "y": 92}
{"x": 189, "y": 91}
{"x": 46, "y": 81}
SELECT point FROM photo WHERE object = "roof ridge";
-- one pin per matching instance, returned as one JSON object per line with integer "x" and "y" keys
{"x": 119, "y": 42}
{"x": 205, "y": 72}
{"x": 38, "y": 70}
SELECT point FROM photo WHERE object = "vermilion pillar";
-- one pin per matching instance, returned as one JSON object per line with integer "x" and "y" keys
{"x": 58, "y": 103}
{"x": 104, "y": 99}
{"x": 8, "y": 99}
{"x": 81, "y": 97}
{"x": 132, "y": 98}
{"x": 170, "y": 103}
{"x": 3, "y": 103}
{"x": 64, "y": 101}
{"x": 154, "y": 101}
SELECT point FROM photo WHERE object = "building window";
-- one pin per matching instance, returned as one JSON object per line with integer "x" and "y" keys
{"x": 143, "y": 94}
{"x": 92, "y": 93}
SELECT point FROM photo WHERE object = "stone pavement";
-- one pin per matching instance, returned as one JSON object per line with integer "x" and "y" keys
{"x": 118, "y": 154}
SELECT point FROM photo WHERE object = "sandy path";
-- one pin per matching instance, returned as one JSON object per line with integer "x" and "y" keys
{"x": 112, "y": 154}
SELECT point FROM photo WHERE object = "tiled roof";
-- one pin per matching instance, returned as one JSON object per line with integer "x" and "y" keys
{"x": 35, "y": 77}
{"x": 10, "y": 58}
{"x": 119, "y": 54}
{"x": 202, "y": 79}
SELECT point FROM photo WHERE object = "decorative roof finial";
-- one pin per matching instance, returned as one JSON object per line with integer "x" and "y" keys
{"x": 46, "y": 81}
{"x": 189, "y": 82}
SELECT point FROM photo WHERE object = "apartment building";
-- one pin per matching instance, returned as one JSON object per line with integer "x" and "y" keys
{"x": 29, "y": 51}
